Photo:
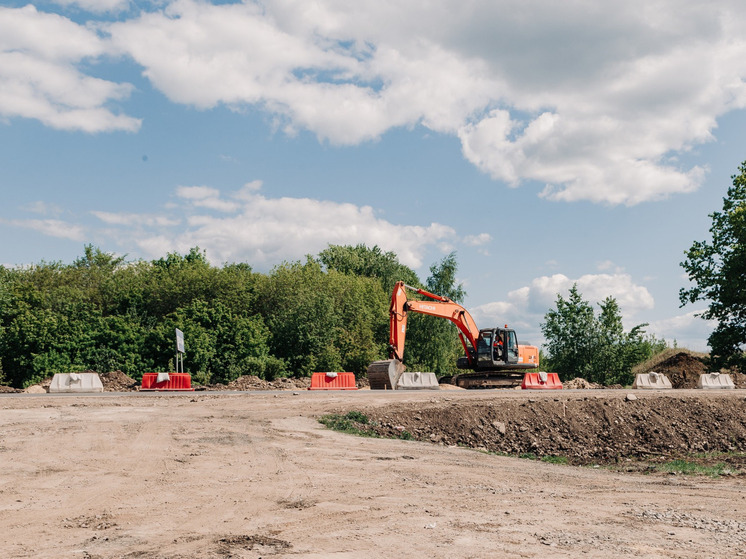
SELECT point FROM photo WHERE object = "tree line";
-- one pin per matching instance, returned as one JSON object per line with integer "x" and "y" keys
{"x": 327, "y": 313}
{"x": 104, "y": 313}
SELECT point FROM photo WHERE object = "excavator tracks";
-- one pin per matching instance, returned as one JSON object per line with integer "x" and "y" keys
{"x": 485, "y": 380}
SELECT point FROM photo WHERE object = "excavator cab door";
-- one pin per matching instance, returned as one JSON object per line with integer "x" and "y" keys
{"x": 511, "y": 354}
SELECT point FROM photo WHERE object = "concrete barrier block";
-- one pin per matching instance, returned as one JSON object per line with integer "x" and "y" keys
{"x": 715, "y": 381}
{"x": 76, "y": 382}
{"x": 652, "y": 381}
{"x": 417, "y": 381}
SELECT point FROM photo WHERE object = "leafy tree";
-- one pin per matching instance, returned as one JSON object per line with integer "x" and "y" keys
{"x": 571, "y": 334}
{"x": 220, "y": 345}
{"x": 323, "y": 321}
{"x": 596, "y": 348}
{"x": 717, "y": 269}
{"x": 360, "y": 260}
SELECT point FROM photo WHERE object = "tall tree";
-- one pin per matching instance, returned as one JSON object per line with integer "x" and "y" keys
{"x": 718, "y": 270}
{"x": 596, "y": 348}
{"x": 361, "y": 260}
{"x": 571, "y": 334}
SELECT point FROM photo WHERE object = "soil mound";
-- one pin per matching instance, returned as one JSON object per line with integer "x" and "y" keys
{"x": 682, "y": 369}
{"x": 39, "y": 388}
{"x": 253, "y": 382}
{"x": 117, "y": 381}
{"x": 580, "y": 383}
{"x": 8, "y": 389}
{"x": 585, "y": 429}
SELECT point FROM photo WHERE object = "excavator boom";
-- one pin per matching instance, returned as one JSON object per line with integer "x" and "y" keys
{"x": 439, "y": 306}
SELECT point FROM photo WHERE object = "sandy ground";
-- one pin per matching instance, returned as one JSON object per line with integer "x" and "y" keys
{"x": 255, "y": 475}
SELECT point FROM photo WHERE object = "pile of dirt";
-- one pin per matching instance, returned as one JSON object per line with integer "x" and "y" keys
{"x": 580, "y": 384}
{"x": 739, "y": 379}
{"x": 8, "y": 389}
{"x": 584, "y": 429}
{"x": 682, "y": 369}
{"x": 117, "y": 381}
{"x": 39, "y": 388}
{"x": 253, "y": 382}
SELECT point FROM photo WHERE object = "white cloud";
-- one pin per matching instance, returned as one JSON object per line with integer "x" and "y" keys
{"x": 50, "y": 227}
{"x": 525, "y": 307}
{"x": 688, "y": 330}
{"x": 477, "y": 240}
{"x": 206, "y": 197}
{"x": 39, "y": 77}
{"x": 265, "y": 231}
{"x": 593, "y": 102}
{"x": 136, "y": 220}
{"x": 98, "y": 6}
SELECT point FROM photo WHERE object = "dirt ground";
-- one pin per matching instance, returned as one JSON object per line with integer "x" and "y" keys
{"x": 218, "y": 475}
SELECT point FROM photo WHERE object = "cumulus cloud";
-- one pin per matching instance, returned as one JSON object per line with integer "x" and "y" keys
{"x": 247, "y": 226}
{"x": 40, "y": 77}
{"x": 688, "y": 330}
{"x": 98, "y": 6}
{"x": 50, "y": 227}
{"x": 525, "y": 307}
{"x": 591, "y": 103}
{"x": 594, "y": 103}
{"x": 477, "y": 240}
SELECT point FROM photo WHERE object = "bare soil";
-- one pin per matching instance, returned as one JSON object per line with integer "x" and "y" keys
{"x": 249, "y": 475}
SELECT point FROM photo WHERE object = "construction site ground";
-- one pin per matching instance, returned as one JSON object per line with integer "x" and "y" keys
{"x": 254, "y": 474}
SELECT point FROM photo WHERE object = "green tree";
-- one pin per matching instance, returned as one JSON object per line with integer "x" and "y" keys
{"x": 219, "y": 345}
{"x": 594, "y": 347}
{"x": 717, "y": 269}
{"x": 323, "y": 321}
{"x": 571, "y": 333}
{"x": 360, "y": 260}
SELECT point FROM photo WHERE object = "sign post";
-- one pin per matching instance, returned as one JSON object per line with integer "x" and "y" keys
{"x": 179, "y": 350}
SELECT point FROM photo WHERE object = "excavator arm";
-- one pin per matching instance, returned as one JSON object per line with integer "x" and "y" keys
{"x": 438, "y": 306}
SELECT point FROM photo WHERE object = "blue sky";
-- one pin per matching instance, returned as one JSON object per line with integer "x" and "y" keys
{"x": 546, "y": 143}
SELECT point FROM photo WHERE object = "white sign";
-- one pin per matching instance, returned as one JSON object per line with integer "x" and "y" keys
{"x": 179, "y": 341}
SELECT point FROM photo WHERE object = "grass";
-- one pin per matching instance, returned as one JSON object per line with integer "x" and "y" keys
{"x": 684, "y": 467}
{"x": 549, "y": 459}
{"x": 352, "y": 422}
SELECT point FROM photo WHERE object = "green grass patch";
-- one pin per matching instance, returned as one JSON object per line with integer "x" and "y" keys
{"x": 684, "y": 467}
{"x": 352, "y": 422}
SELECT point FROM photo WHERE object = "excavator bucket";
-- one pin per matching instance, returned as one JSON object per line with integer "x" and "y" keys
{"x": 384, "y": 375}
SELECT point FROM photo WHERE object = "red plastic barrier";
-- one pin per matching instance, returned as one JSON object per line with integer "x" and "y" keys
{"x": 176, "y": 381}
{"x": 333, "y": 381}
{"x": 541, "y": 381}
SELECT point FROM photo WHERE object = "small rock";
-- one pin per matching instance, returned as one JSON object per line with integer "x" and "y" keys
{"x": 631, "y": 397}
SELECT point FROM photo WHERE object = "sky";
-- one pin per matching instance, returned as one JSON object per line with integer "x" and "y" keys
{"x": 546, "y": 143}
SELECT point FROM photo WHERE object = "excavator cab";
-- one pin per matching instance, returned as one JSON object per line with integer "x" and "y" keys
{"x": 496, "y": 348}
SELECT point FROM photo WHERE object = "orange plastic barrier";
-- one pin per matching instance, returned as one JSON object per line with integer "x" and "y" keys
{"x": 333, "y": 381}
{"x": 541, "y": 381}
{"x": 176, "y": 381}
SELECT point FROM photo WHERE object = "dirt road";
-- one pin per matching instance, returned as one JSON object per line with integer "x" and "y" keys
{"x": 255, "y": 475}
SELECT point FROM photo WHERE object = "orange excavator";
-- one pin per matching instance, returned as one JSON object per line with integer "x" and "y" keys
{"x": 492, "y": 355}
